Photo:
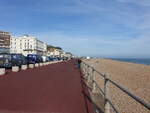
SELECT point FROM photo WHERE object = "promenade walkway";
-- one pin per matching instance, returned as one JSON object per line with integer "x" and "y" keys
{"x": 56, "y": 88}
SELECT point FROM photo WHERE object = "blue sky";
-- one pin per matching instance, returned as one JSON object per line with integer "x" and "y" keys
{"x": 109, "y": 28}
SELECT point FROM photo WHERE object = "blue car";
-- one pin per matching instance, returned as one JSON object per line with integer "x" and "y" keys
{"x": 5, "y": 60}
{"x": 34, "y": 58}
{"x": 18, "y": 60}
{"x": 50, "y": 59}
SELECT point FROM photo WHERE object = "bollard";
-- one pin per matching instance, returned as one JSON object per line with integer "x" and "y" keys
{"x": 36, "y": 65}
{"x": 44, "y": 63}
{"x": 31, "y": 66}
{"x": 15, "y": 68}
{"x": 41, "y": 64}
{"x": 53, "y": 62}
{"x": 2, "y": 71}
{"x": 24, "y": 67}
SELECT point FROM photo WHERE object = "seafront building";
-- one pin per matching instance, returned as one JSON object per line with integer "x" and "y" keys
{"x": 68, "y": 54}
{"x": 27, "y": 45}
{"x": 53, "y": 52}
{"x": 58, "y": 52}
{"x": 4, "y": 41}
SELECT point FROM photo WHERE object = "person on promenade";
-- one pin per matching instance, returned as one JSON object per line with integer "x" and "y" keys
{"x": 79, "y": 63}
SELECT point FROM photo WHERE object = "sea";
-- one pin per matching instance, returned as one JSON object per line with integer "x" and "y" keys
{"x": 145, "y": 61}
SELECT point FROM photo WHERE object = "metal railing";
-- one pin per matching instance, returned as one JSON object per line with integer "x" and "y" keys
{"x": 89, "y": 73}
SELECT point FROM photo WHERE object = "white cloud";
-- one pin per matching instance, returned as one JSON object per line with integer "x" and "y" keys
{"x": 100, "y": 46}
{"x": 138, "y": 2}
{"x": 99, "y": 14}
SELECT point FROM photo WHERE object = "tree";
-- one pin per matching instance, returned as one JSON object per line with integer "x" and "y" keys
{"x": 53, "y": 47}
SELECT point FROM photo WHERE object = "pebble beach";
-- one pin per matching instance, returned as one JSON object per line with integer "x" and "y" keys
{"x": 134, "y": 77}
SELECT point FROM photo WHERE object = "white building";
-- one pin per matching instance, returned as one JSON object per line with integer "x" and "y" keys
{"x": 55, "y": 53}
{"x": 27, "y": 45}
{"x": 66, "y": 54}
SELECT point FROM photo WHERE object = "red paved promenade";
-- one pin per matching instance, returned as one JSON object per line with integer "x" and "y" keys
{"x": 55, "y": 88}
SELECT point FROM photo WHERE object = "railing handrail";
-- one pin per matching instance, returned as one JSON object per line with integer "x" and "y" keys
{"x": 138, "y": 99}
{"x": 107, "y": 98}
{"x": 126, "y": 91}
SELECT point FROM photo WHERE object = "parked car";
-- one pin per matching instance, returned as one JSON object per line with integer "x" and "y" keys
{"x": 59, "y": 58}
{"x": 55, "y": 59}
{"x": 5, "y": 60}
{"x": 45, "y": 58}
{"x": 34, "y": 58}
{"x": 65, "y": 58}
{"x": 52, "y": 59}
{"x": 18, "y": 59}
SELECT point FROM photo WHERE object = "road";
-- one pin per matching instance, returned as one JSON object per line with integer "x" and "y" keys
{"x": 56, "y": 88}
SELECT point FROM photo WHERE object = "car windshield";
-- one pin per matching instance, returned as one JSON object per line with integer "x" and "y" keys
{"x": 1, "y": 56}
{"x": 32, "y": 56}
{"x": 7, "y": 56}
{"x": 14, "y": 56}
{"x": 4, "y": 56}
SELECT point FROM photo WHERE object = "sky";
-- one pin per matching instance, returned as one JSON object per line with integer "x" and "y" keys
{"x": 100, "y": 28}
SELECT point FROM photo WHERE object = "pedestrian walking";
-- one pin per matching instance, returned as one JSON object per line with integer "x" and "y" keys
{"x": 79, "y": 63}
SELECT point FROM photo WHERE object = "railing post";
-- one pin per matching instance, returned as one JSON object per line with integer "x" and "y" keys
{"x": 81, "y": 67}
{"x": 84, "y": 69}
{"x": 94, "y": 90}
{"x": 86, "y": 72}
{"x": 106, "y": 92}
{"x": 90, "y": 76}
{"x": 94, "y": 87}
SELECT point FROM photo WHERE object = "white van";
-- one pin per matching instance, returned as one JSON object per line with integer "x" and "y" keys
{"x": 44, "y": 58}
